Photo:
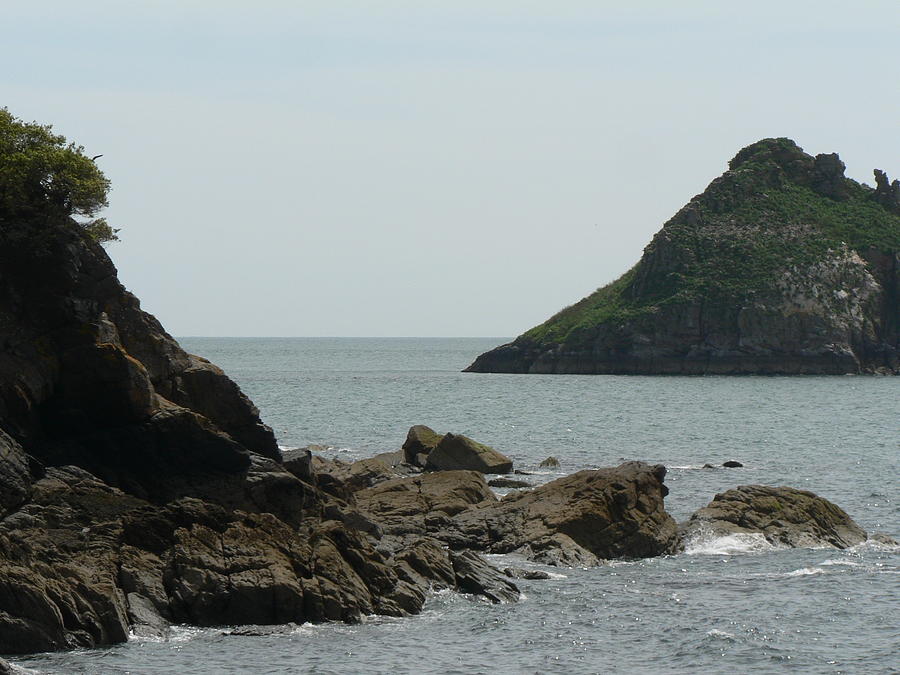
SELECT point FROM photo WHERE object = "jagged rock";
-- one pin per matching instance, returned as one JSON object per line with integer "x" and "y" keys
{"x": 550, "y": 462}
{"x": 605, "y": 513}
{"x": 475, "y": 575}
{"x": 887, "y": 193}
{"x": 756, "y": 275}
{"x": 458, "y": 452}
{"x": 508, "y": 483}
{"x": 732, "y": 464}
{"x": 420, "y": 441}
{"x": 785, "y": 516}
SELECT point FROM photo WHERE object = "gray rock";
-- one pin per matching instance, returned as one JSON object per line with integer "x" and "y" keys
{"x": 551, "y": 462}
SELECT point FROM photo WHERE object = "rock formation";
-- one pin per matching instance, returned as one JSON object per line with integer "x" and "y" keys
{"x": 138, "y": 486}
{"x": 782, "y": 265}
{"x": 784, "y": 516}
{"x": 574, "y": 520}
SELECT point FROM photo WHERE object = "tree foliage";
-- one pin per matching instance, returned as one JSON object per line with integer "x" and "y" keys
{"x": 47, "y": 182}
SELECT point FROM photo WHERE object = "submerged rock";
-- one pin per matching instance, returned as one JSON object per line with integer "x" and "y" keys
{"x": 550, "y": 462}
{"x": 732, "y": 464}
{"x": 784, "y": 516}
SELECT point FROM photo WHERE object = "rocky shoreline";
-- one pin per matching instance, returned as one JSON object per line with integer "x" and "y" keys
{"x": 139, "y": 488}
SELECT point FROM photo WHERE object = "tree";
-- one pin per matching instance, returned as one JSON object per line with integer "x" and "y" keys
{"x": 46, "y": 182}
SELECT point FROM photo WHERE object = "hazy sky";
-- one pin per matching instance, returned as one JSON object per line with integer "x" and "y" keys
{"x": 442, "y": 168}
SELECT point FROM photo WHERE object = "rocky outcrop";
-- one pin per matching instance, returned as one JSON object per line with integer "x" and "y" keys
{"x": 593, "y": 514}
{"x": 783, "y": 265}
{"x": 575, "y": 520}
{"x": 458, "y": 452}
{"x": 784, "y": 516}
{"x": 139, "y": 488}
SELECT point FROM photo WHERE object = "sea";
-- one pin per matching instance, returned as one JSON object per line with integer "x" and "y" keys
{"x": 726, "y": 605}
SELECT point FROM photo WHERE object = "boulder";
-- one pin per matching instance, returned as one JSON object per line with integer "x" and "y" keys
{"x": 732, "y": 464}
{"x": 550, "y": 462}
{"x": 420, "y": 441}
{"x": 589, "y": 515}
{"x": 785, "y": 516}
{"x": 460, "y": 452}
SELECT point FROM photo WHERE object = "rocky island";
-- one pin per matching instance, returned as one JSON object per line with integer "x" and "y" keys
{"x": 139, "y": 487}
{"x": 783, "y": 265}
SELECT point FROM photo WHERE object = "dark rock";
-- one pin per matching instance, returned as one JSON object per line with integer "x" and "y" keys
{"x": 550, "y": 462}
{"x": 300, "y": 463}
{"x": 887, "y": 193}
{"x": 732, "y": 464}
{"x": 710, "y": 466}
{"x": 520, "y": 573}
{"x": 420, "y": 441}
{"x": 475, "y": 575}
{"x": 784, "y": 515}
{"x": 508, "y": 483}
{"x": 460, "y": 452}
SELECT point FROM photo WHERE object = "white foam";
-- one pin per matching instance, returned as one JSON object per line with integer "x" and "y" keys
{"x": 729, "y": 544}
{"x": 720, "y": 634}
{"x": 848, "y": 563}
{"x": 874, "y": 545}
{"x": 804, "y": 572}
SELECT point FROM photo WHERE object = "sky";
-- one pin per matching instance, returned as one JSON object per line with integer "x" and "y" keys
{"x": 360, "y": 168}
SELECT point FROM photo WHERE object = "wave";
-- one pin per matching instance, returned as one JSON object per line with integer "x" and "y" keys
{"x": 706, "y": 543}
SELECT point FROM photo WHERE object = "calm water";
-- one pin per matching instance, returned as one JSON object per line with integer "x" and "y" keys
{"x": 723, "y": 607}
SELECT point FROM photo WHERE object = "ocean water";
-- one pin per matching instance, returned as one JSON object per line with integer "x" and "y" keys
{"x": 730, "y": 605}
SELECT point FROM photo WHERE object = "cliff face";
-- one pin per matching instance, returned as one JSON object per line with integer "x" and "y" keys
{"x": 138, "y": 486}
{"x": 88, "y": 378}
{"x": 782, "y": 265}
